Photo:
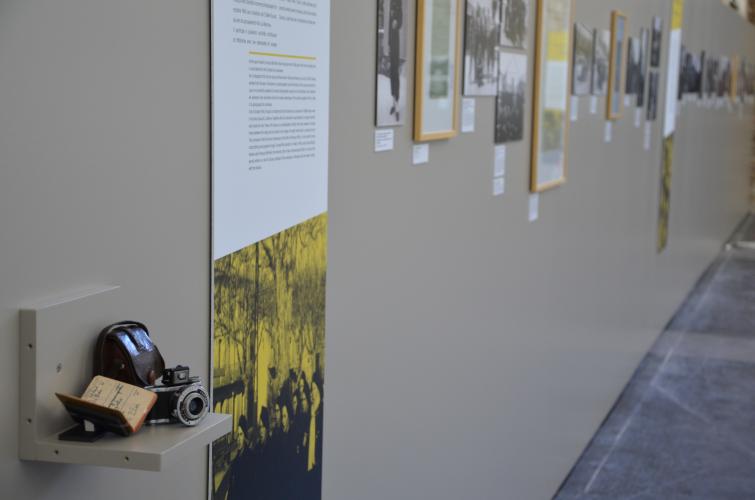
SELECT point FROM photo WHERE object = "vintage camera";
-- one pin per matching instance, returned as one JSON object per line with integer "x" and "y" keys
{"x": 180, "y": 398}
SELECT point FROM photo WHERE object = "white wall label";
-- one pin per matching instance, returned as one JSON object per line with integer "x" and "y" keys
{"x": 499, "y": 186}
{"x": 534, "y": 208}
{"x": 267, "y": 182}
{"x": 574, "y": 108}
{"x": 593, "y": 105}
{"x": 647, "y": 136}
{"x": 499, "y": 166}
{"x": 383, "y": 139}
{"x": 467, "y": 114}
{"x": 420, "y": 154}
{"x": 608, "y": 131}
{"x": 638, "y": 117}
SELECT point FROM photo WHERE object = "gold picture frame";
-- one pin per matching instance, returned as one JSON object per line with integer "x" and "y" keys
{"x": 617, "y": 65}
{"x": 734, "y": 85}
{"x": 438, "y": 63}
{"x": 552, "y": 94}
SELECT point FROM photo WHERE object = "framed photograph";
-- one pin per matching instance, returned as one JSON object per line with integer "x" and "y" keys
{"x": 655, "y": 44}
{"x": 690, "y": 78}
{"x": 711, "y": 77}
{"x": 390, "y": 101}
{"x": 745, "y": 77}
{"x": 644, "y": 57}
{"x": 615, "y": 107}
{"x": 582, "y": 57}
{"x": 550, "y": 125}
{"x": 436, "y": 93}
{"x": 703, "y": 67}
{"x": 601, "y": 46}
{"x": 723, "y": 76}
{"x": 734, "y": 78}
{"x": 653, "y": 86}
{"x": 634, "y": 73}
{"x": 512, "y": 92}
{"x": 480, "y": 47}
{"x": 514, "y": 20}
{"x": 681, "y": 88}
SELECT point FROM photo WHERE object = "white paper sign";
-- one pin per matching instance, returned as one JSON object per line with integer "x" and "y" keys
{"x": 499, "y": 186}
{"x": 648, "y": 136}
{"x": 574, "y": 108}
{"x": 420, "y": 154}
{"x": 608, "y": 131}
{"x": 627, "y": 100}
{"x": 263, "y": 182}
{"x": 593, "y": 105}
{"x": 467, "y": 115}
{"x": 534, "y": 211}
{"x": 499, "y": 166}
{"x": 638, "y": 117}
{"x": 383, "y": 139}
{"x": 672, "y": 82}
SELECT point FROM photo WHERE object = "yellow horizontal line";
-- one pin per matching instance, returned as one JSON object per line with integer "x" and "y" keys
{"x": 285, "y": 56}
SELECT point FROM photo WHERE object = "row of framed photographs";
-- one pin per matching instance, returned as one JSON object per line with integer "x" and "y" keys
{"x": 490, "y": 24}
{"x": 610, "y": 63}
{"x": 707, "y": 77}
{"x": 569, "y": 59}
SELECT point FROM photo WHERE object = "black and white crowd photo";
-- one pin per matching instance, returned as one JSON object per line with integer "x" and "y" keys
{"x": 655, "y": 42}
{"x": 391, "y": 63}
{"x": 600, "y": 62}
{"x": 634, "y": 67}
{"x": 512, "y": 84}
{"x": 480, "y": 52}
{"x": 583, "y": 53}
{"x": 514, "y": 18}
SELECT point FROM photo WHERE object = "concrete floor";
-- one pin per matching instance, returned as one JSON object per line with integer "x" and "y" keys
{"x": 685, "y": 426}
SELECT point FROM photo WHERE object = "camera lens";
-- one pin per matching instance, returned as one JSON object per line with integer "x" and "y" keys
{"x": 191, "y": 404}
{"x": 196, "y": 405}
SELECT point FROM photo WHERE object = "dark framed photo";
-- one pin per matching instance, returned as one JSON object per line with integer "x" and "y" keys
{"x": 655, "y": 44}
{"x": 510, "y": 102}
{"x": 514, "y": 21}
{"x": 653, "y": 85}
{"x": 582, "y": 60}
{"x": 480, "y": 47}
{"x": 615, "y": 107}
{"x": 644, "y": 58}
{"x": 633, "y": 84}
{"x": 390, "y": 102}
{"x": 601, "y": 49}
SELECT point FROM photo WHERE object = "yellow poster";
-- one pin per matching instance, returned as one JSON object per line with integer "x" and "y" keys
{"x": 268, "y": 348}
{"x": 677, "y": 15}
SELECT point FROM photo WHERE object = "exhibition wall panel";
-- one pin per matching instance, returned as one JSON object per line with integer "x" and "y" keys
{"x": 472, "y": 354}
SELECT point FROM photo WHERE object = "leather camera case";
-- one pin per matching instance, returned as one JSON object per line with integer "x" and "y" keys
{"x": 125, "y": 352}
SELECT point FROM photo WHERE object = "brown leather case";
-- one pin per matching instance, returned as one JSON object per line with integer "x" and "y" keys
{"x": 125, "y": 352}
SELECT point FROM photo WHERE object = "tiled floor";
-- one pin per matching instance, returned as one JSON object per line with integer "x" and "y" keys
{"x": 685, "y": 426}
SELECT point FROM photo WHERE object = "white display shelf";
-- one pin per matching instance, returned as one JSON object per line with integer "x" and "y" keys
{"x": 55, "y": 355}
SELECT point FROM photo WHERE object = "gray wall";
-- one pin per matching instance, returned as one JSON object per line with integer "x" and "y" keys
{"x": 471, "y": 354}
{"x": 444, "y": 379}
